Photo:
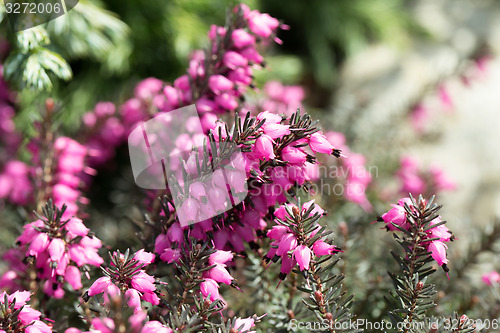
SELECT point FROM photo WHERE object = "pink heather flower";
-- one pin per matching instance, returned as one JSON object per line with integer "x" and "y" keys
{"x": 270, "y": 118}
{"x": 419, "y": 117}
{"x": 287, "y": 264}
{"x": 233, "y": 60}
{"x": 319, "y": 144}
{"x": 219, "y": 179}
{"x": 99, "y": 286}
{"x": 57, "y": 248}
{"x": 244, "y": 325}
{"x": 226, "y": 101}
{"x": 188, "y": 211}
{"x": 218, "y": 83}
{"x": 38, "y": 245}
{"x": 410, "y": 176}
{"x": 144, "y": 257}
{"x": 133, "y": 299}
{"x": 287, "y": 243}
{"x": 210, "y": 287}
{"x": 276, "y": 131}
{"x": 105, "y": 109}
{"x": 241, "y": 75}
{"x": 242, "y": 39}
{"x": 143, "y": 282}
{"x": 205, "y": 105}
{"x": 170, "y": 255}
{"x": 38, "y": 327}
{"x": 76, "y": 227}
{"x": 74, "y": 277}
{"x": 261, "y": 24}
{"x": 216, "y": 31}
{"x": 302, "y": 254}
{"x": 220, "y": 274}
{"x": 491, "y": 278}
{"x": 220, "y": 257}
{"x": 218, "y": 198}
{"x": 264, "y": 147}
{"x": 438, "y": 250}
{"x": 441, "y": 231}
{"x": 151, "y": 298}
{"x": 321, "y": 248}
{"x": 137, "y": 283}
{"x": 316, "y": 210}
{"x": 278, "y": 231}
{"x": 237, "y": 180}
{"x": 252, "y": 55}
{"x": 397, "y": 215}
{"x": 175, "y": 233}
{"x": 445, "y": 98}
{"x": 197, "y": 191}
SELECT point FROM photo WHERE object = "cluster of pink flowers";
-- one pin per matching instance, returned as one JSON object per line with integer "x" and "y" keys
{"x": 105, "y": 130}
{"x": 17, "y": 316}
{"x": 440, "y": 233}
{"x": 268, "y": 185}
{"x": 297, "y": 157}
{"x": 354, "y": 172}
{"x": 218, "y": 274}
{"x": 293, "y": 243}
{"x": 127, "y": 275}
{"x": 69, "y": 174}
{"x": 215, "y": 89}
{"x": 416, "y": 181}
{"x": 57, "y": 248}
{"x": 15, "y": 176}
{"x": 233, "y": 71}
{"x": 137, "y": 323}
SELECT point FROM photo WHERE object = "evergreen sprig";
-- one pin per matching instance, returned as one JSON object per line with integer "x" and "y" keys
{"x": 31, "y": 63}
{"x": 326, "y": 298}
{"x": 413, "y": 296}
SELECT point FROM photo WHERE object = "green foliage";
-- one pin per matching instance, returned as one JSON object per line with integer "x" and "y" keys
{"x": 89, "y": 31}
{"x": 31, "y": 63}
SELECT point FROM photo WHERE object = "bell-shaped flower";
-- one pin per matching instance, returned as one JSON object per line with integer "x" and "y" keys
{"x": 210, "y": 287}
{"x": 99, "y": 286}
{"x": 133, "y": 299}
{"x": 220, "y": 274}
{"x": 218, "y": 83}
{"x": 220, "y": 257}
{"x": 264, "y": 147}
{"x": 143, "y": 282}
{"x": 438, "y": 252}
{"x": 319, "y": 144}
{"x": 287, "y": 243}
{"x": 242, "y": 39}
{"x": 302, "y": 254}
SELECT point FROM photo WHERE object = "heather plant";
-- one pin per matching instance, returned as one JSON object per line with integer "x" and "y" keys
{"x": 238, "y": 238}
